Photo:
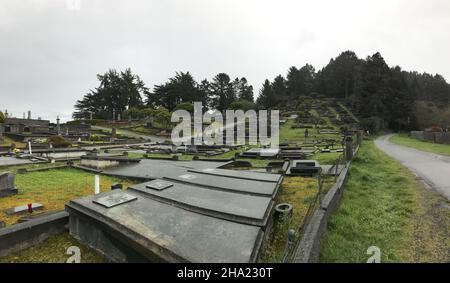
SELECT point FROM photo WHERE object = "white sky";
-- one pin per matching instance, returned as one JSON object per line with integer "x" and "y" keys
{"x": 50, "y": 53}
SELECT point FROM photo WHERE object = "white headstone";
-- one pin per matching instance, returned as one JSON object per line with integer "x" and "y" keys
{"x": 97, "y": 184}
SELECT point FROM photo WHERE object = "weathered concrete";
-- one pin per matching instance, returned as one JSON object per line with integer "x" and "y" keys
{"x": 230, "y": 184}
{"x": 12, "y": 161}
{"x": 246, "y": 209}
{"x": 246, "y": 175}
{"x": 154, "y": 169}
{"x": 7, "y": 184}
{"x": 149, "y": 230}
{"x": 30, "y": 233}
{"x": 433, "y": 168}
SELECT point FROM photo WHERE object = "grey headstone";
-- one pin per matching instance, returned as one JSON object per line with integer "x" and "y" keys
{"x": 7, "y": 187}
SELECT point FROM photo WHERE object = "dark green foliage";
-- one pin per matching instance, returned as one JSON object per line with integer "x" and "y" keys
{"x": 180, "y": 89}
{"x": 118, "y": 91}
{"x": 383, "y": 97}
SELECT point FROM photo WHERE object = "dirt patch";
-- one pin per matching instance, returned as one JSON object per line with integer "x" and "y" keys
{"x": 430, "y": 224}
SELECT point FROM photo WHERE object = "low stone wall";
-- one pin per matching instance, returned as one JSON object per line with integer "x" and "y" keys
{"x": 24, "y": 235}
{"x": 308, "y": 250}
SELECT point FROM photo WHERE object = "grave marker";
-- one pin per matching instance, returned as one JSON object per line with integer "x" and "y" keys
{"x": 7, "y": 187}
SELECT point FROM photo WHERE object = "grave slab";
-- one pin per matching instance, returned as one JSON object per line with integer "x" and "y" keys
{"x": 23, "y": 209}
{"x": 230, "y": 184}
{"x": 254, "y": 210}
{"x": 12, "y": 161}
{"x": 154, "y": 169}
{"x": 247, "y": 175}
{"x": 146, "y": 230}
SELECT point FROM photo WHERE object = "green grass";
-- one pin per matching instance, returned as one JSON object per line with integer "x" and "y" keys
{"x": 327, "y": 158}
{"x": 299, "y": 192}
{"x": 53, "y": 250}
{"x": 375, "y": 211}
{"x": 53, "y": 189}
{"x": 289, "y": 135}
{"x": 404, "y": 139}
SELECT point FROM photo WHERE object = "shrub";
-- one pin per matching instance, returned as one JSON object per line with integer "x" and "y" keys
{"x": 58, "y": 141}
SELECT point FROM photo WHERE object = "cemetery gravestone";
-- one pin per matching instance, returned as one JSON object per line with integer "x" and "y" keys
{"x": 7, "y": 187}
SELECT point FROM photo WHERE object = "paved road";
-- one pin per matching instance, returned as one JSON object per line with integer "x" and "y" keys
{"x": 434, "y": 169}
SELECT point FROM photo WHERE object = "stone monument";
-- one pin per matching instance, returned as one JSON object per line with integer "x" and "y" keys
{"x": 7, "y": 187}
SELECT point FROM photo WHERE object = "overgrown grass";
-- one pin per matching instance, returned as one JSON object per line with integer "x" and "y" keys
{"x": 299, "y": 192}
{"x": 375, "y": 211}
{"x": 53, "y": 189}
{"x": 289, "y": 135}
{"x": 53, "y": 250}
{"x": 404, "y": 139}
{"x": 327, "y": 158}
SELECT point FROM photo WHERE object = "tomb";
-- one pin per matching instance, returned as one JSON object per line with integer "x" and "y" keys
{"x": 185, "y": 211}
{"x": 261, "y": 153}
{"x": 246, "y": 209}
{"x": 139, "y": 228}
{"x": 304, "y": 168}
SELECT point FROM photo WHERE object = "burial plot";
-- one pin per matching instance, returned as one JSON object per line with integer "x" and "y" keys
{"x": 12, "y": 161}
{"x": 146, "y": 230}
{"x": 306, "y": 168}
{"x": 154, "y": 169}
{"x": 261, "y": 153}
{"x": 230, "y": 184}
{"x": 7, "y": 186}
{"x": 249, "y": 175}
{"x": 226, "y": 205}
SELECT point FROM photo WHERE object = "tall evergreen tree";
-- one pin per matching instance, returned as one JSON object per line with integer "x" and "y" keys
{"x": 222, "y": 93}
{"x": 117, "y": 92}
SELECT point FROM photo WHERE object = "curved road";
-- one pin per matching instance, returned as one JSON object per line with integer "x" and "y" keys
{"x": 434, "y": 169}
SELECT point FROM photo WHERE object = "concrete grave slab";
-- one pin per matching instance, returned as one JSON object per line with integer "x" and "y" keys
{"x": 246, "y": 209}
{"x": 23, "y": 209}
{"x": 154, "y": 169}
{"x": 230, "y": 184}
{"x": 12, "y": 161}
{"x": 146, "y": 230}
{"x": 247, "y": 175}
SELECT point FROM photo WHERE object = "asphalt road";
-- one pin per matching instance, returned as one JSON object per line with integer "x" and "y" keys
{"x": 434, "y": 169}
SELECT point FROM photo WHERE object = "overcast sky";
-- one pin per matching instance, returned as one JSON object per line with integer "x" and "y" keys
{"x": 51, "y": 51}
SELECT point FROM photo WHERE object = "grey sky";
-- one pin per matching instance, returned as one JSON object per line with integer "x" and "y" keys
{"x": 50, "y": 54}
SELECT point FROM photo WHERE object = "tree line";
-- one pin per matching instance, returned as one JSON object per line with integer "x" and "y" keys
{"x": 374, "y": 90}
